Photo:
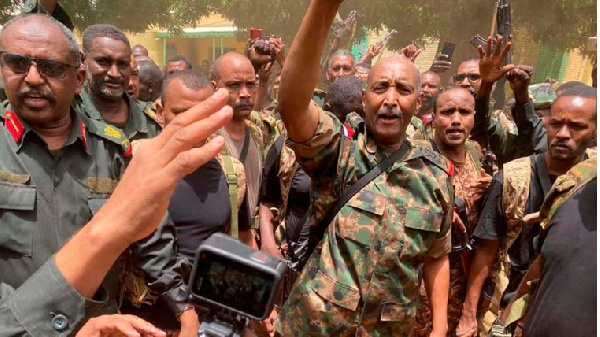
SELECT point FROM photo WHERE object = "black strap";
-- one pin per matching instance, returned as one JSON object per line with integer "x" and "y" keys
{"x": 352, "y": 190}
{"x": 544, "y": 176}
{"x": 244, "y": 152}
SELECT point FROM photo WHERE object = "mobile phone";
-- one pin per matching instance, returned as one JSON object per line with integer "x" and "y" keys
{"x": 448, "y": 49}
{"x": 255, "y": 33}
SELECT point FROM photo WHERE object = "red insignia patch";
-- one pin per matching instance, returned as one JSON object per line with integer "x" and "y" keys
{"x": 450, "y": 168}
{"x": 14, "y": 126}
{"x": 83, "y": 135}
{"x": 129, "y": 151}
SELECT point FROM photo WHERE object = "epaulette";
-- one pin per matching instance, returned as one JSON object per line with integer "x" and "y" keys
{"x": 422, "y": 149}
{"x": 111, "y": 133}
{"x": 149, "y": 110}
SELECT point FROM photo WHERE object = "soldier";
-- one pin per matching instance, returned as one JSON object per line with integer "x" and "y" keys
{"x": 453, "y": 122}
{"x": 508, "y": 140}
{"x": 133, "y": 89}
{"x": 430, "y": 89}
{"x": 139, "y": 51}
{"x": 561, "y": 283}
{"x": 244, "y": 139}
{"x": 57, "y": 169}
{"x": 151, "y": 81}
{"x": 177, "y": 62}
{"x": 202, "y": 204}
{"x": 516, "y": 193}
{"x": 108, "y": 71}
{"x": 364, "y": 275}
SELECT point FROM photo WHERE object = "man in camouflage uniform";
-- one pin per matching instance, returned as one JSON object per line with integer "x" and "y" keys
{"x": 430, "y": 89}
{"x": 104, "y": 96}
{"x": 557, "y": 301}
{"x": 505, "y": 248}
{"x": 364, "y": 275}
{"x": 508, "y": 140}
{"x": 57, "y": 169}
{"x": 453, "y": 122}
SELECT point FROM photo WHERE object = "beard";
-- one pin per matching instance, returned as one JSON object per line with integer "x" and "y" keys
{"x": 98, "y": 85}
{"x": 427, "y": 104}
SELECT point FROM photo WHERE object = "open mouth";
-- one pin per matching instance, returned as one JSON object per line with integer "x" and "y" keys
{"x": 35, "y": 101}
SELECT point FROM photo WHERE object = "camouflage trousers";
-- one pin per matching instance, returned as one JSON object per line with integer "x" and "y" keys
{"x": 423, "y": 322}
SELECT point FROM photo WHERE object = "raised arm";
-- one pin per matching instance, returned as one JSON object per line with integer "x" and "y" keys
{"x": 301, "y": 71}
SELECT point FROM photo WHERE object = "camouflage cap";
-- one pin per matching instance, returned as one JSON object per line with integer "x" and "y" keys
{"x": 543, "y": 95}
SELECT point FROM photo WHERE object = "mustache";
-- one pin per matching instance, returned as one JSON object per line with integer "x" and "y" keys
{"x": 390, "y": 112}
{"x": 243, "y": 103}
{"x": 559, "y": 143}
{"x": 455, "y": 130}
{"x": 36, "y": 93}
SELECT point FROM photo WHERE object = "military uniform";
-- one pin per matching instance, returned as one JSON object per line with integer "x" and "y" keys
{"x": 46, "y": 196}
{"x": 519, "y": 189}
{"x": 509, "y": 140}
{"x": 465, "y": 174}
{"x": 364, "y": 276}
{"x": 140, "y": 124}
{"x": 34, "y": 6}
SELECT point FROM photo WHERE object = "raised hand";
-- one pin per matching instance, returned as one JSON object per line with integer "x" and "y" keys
{"x": 411, "y": 52}
{"x": 490, "y": 66}
{"x": 441, "y": 64}
{"x": 519, "y": 79}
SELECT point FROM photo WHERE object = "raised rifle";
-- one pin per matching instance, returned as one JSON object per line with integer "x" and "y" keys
{"x": 504, "y": 29}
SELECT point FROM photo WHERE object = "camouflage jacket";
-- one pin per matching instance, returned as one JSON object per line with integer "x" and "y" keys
{"x": 363, "y": 277}
{"x": 508, "y": 139}
{"x": 567, "y": 185}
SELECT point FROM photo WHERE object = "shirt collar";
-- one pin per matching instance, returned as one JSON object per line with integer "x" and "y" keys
{"x": 19, "y": 129}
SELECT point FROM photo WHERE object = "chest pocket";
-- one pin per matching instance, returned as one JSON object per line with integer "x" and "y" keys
{"x": 421, "y": 226}
{"x": 18, "y": 216}
{"x": 357, "y": 221}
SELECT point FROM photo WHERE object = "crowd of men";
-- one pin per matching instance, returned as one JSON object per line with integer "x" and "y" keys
{"x": 403, "y": 207}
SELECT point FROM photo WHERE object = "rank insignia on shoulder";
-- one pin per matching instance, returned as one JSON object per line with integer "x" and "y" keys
{"x": 111, "y": 131}
{"x": 14, "y": 126}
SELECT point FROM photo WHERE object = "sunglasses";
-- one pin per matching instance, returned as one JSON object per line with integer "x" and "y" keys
{"x": 19, "y": 64}
{"x": 471, "y": 77}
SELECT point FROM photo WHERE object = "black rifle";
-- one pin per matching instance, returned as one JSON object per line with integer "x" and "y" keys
{"x": 504, "y": 29}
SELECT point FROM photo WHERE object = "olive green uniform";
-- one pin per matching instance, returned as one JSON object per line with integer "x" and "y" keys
{"x": 45, "y": 197}
{"x": 141, "y": 124}
{"x": 363, "y": 277}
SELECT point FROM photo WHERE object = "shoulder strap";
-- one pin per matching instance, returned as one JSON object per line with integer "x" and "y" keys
{"x": 232, "y": 183}
{"x": 244, "y": 152}
{"x": 352, "y": 190}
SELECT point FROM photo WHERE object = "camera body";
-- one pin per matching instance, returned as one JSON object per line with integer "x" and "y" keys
{"x": 232, "y": 277}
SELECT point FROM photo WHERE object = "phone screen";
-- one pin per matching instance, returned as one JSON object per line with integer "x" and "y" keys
{"x": 448, "y": 49}
{"x": 255, "y": 33}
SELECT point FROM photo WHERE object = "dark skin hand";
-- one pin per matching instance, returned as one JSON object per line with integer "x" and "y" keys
{"x": 519, "y": 79}
{"x": 490, "y": 66}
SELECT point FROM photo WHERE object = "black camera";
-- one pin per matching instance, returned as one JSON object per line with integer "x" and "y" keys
{"x": 235, "y": 282}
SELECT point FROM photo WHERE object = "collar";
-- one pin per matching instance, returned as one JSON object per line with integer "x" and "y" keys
{"x": 135, "y": 121}
{"x": 18, "y": 129}
{"x": 427, "y": 118}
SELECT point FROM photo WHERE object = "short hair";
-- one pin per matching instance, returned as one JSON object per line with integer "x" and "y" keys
{"x": 468, "y": 59}
{"x": 340, "y": 53}
{"x": 189, "y": 78}
{"x": 215, "y": 69}
{"x": 568, "y": 85}
{"x": 435, "y": 110}
{"x": 180, "y": 58}
{"x": 142, "y": 48}
{"x": 345, "y": 95}
{"x": 73, "y": 46}
{"x": 579, "y": 91}
{"x": 149, "y": 71}
{"x": 102, "y": 30}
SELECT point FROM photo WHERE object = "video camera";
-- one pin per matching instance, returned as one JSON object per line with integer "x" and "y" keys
{"x": 235, "y": 282}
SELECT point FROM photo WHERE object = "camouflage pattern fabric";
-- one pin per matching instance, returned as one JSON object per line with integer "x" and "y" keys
{"x": 464, "y": 175}
{"x": 567, "y": 185}
{"x": 543, "y": 95}
{"x": 423, "y": 324}
{"x": 363, "y": 278}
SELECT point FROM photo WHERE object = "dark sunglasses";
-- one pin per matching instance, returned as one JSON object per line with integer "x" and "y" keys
{"x": 471, "y": 77}
{"x": 19, "y": 64}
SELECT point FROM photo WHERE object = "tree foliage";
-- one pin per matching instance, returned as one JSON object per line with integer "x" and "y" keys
{"x": 560, "y": 24}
